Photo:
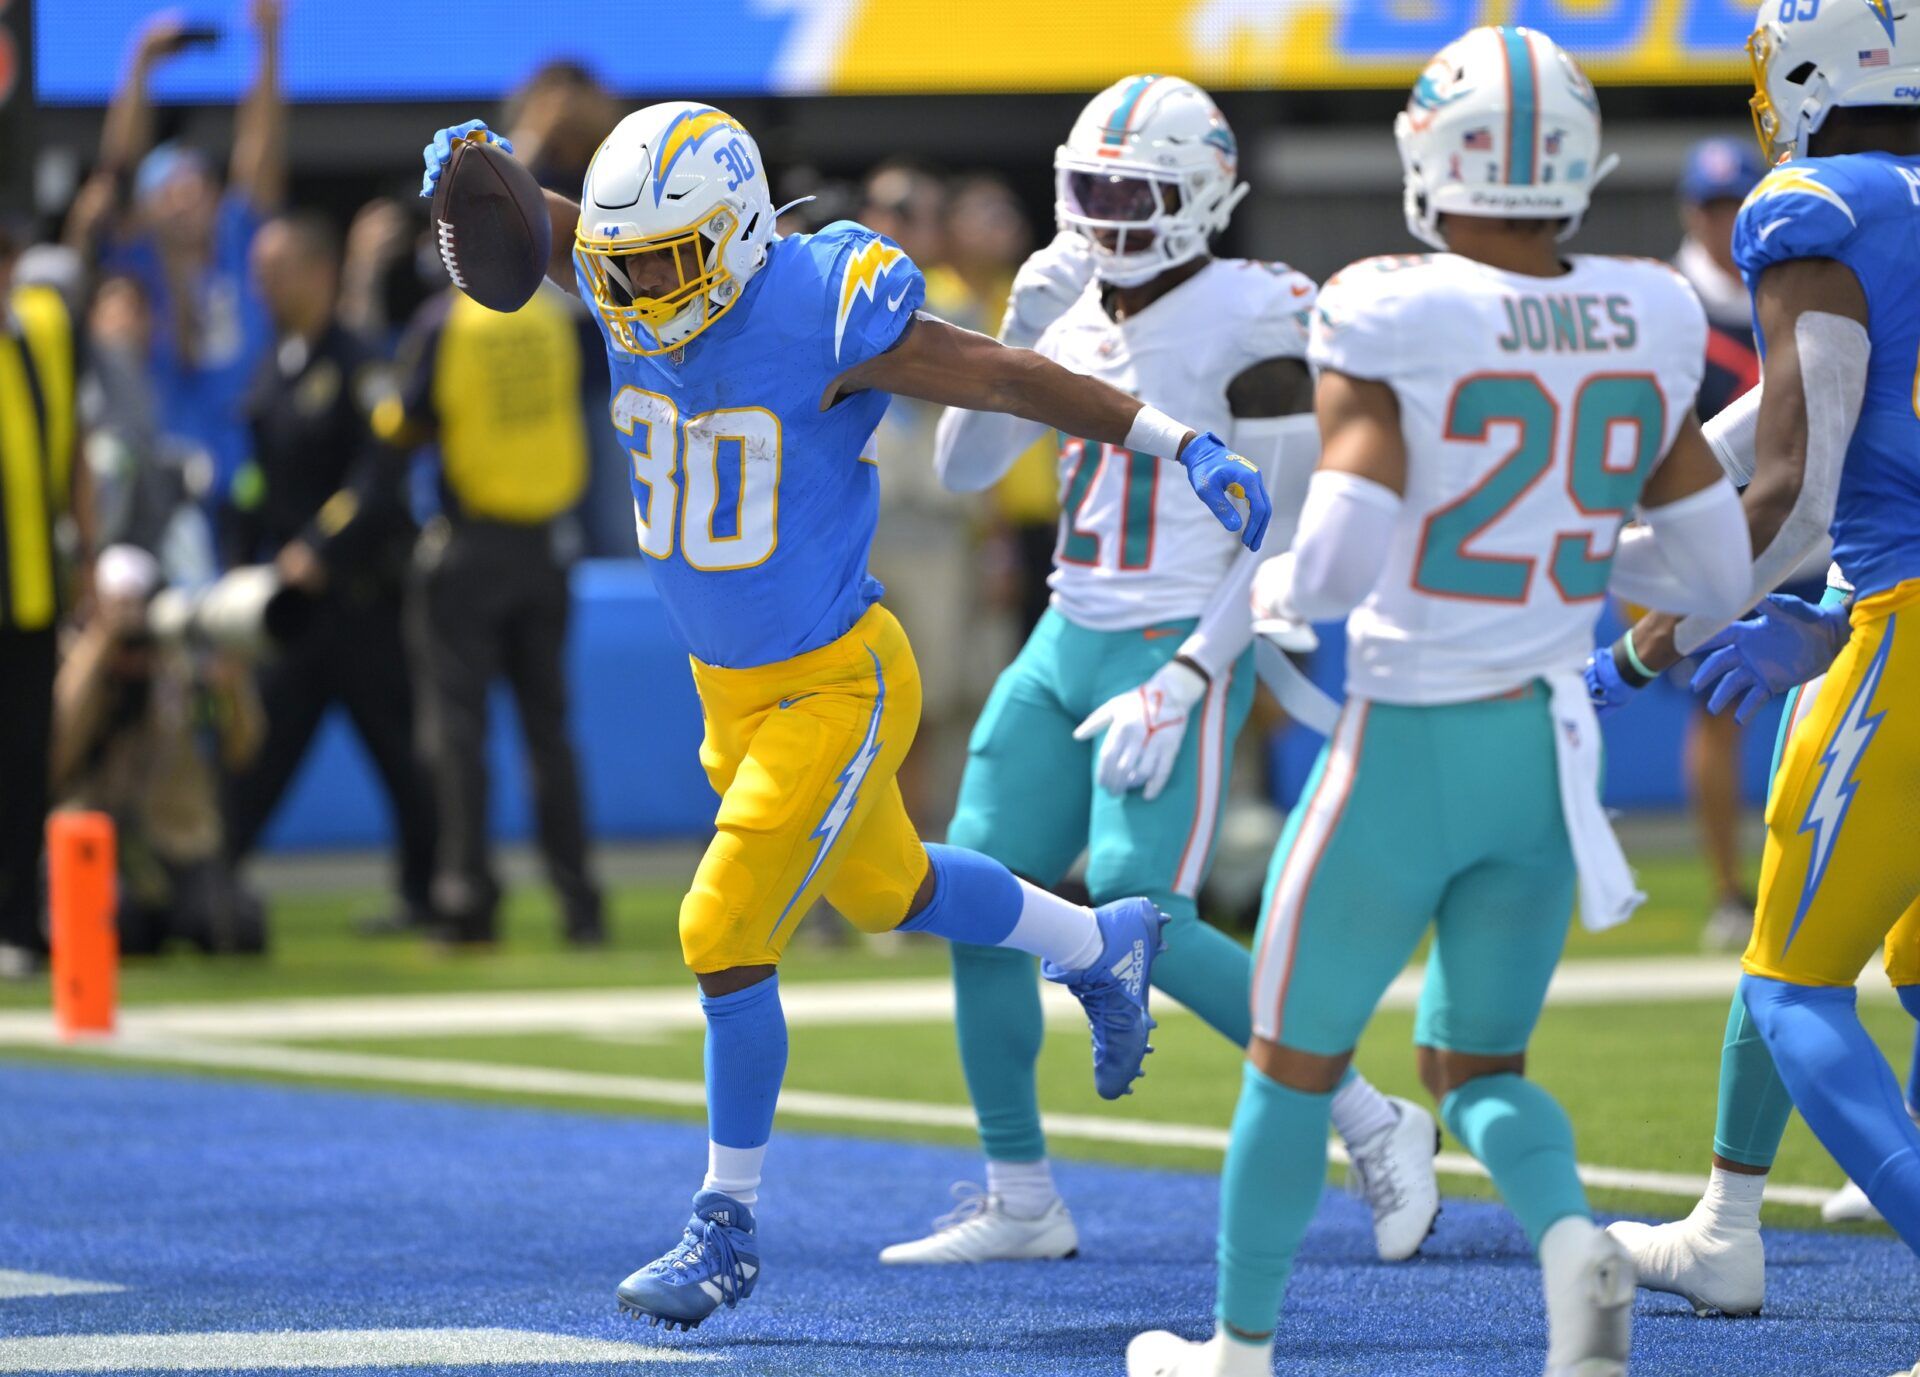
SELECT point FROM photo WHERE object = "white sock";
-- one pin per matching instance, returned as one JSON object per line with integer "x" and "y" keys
{"x": 1025, "y": 1188}
{"x": 1732, "y": 1201}
{"x": 1240, "y": 1356}
{"x": 1360, "y": 1112}
{"x": 1562, "y": 1246}
{"x": 1055, "y": 930}
{"x": 735, "y": 1171}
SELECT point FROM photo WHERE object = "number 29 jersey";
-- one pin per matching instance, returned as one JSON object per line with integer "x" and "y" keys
{"x": 756, "y": 507}
{"x": 1136, "y": 546}
{"x": 1533, "y": 410}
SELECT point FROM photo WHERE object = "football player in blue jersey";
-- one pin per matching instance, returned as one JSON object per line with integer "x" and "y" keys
{"x": 749, "y": 372}
{"x": 1829, "y": 245}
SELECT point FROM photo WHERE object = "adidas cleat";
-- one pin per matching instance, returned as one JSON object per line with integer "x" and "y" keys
{"x": 981, "y": 1230}
{"x": 1113, "y": 991}
{"x": 715, "y": 1263}
{"x": 1713, "y": 1267}
{"x": 1393, "y": 1172}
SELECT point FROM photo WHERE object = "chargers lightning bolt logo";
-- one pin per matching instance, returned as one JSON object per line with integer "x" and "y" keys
{"x": 834, "y": 822}
{"x": 1827, "y": 810}
{"x": 866, "y": 265}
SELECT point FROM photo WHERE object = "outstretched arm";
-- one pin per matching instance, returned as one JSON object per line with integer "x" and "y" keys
{"x": 941, "y": 363}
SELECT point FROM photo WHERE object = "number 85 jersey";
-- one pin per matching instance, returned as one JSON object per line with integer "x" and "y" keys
{"x": 1533, "y": 411}
{"x": 756, "y": 506}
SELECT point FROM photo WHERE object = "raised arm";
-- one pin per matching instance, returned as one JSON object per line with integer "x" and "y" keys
{"x": 258, "y": 169}
{"x": 127, "y": 132}
{"x": 565, "y": 216}
{"x": 941, "y": 363}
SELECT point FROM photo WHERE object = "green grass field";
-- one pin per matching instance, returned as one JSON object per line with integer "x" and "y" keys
{"x": 1638, "y": 1079}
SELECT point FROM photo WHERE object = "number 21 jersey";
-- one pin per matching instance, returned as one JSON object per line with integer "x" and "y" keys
{"x": 1533, "y": 410}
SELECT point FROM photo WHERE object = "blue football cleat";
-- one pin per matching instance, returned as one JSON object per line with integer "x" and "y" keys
{"x": 715, "y": 1263}
{"x": 1113, "y": 991}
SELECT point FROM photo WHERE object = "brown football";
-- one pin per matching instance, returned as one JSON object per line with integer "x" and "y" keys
{"x": 490, "y": 218}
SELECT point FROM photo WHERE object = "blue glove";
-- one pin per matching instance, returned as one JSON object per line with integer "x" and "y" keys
{"x": 1219, "y": 475}
{"x": 1606, "y": 690}
{"x": 441, "y": 149}
{"x": 1788, "y": 643}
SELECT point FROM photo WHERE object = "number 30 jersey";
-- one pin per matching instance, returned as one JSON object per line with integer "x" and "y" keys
{"x": 756, "y": 507}
{"x": 1136, "y": 547}
{"x": 1534, "y": 410}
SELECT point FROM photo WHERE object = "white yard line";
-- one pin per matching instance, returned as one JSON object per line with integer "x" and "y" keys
{"x": 316, "y": 1063}
{"x": 319, "y": 1348}
{"x": 23, "y": 1285}
{"x": 630, "y": 1013}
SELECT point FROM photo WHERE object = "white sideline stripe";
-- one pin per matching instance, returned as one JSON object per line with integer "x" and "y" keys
{"x": 629, "y": 1012}
{"x": 318, "y": 1348}
{"x": 21, "y": 1285}
{"x": 800, "y": 1104}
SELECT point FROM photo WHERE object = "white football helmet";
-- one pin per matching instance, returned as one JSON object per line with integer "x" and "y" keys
{"x": 675, "y": 218}
{"x": 1809, "y": 58}
{"x": 1147, "y": 175}
{"x": 1502, "y": 124}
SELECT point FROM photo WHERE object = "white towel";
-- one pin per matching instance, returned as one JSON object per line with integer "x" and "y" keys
{"x": 1608, "y": 895}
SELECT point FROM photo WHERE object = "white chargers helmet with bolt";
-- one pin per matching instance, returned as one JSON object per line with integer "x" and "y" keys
{"x": 1812, "y": 56}
{"x": 1504, "y": 125}
{"x": 675, "y": 217}
{"x": 1148, "y": 176}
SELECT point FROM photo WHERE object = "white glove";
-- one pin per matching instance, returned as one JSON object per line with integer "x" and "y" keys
{"x": 1273, "y": 614}
{"x": 1052, "y": 279}
{"x": 1144, "y": 728}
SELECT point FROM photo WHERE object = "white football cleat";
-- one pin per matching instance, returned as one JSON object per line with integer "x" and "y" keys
{"x": 1157, "y": 1353}
{"x": 1714, "y": 1267}
{"x": 1393, "y": 1172}
{"x": 1588, "y": 1280}
{"x": 1848, "y": 1205}
{"x": 981, "y": 1230}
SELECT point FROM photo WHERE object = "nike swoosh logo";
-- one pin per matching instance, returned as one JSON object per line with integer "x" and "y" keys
{"x": 1772, "y": 227}
{"x": 893, "y": 303}
{"x": 789, "y": 702}
{"x": 1160, "y": 633}
{"x": 1299, "y": 290}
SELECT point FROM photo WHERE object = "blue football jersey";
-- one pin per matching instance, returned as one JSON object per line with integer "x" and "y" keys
{"x": 1862, "y": 210}
{"x": 756, "y": 507}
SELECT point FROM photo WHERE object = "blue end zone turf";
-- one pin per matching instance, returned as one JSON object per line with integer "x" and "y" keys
{"x": 224, "y": 1206}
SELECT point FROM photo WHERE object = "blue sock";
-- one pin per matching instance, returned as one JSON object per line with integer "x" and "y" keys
{"x": 1206, "y": 970}
{"x": 746, "y": 1060}
{"x": 975, "y": 898}
{"x": 1754, "y": 1106}
{"x": 1276, "y": 1169}
{"x": 1845, "y": 1091}
{"x": 1910, "y": 1000}
{"x": 998, "y": 1020}
{"x": 1522, "y": 1136}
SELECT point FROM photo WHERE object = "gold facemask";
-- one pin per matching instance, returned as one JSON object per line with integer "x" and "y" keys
{"x": 1766, "y": 119}
{"x": 641, "y": 284}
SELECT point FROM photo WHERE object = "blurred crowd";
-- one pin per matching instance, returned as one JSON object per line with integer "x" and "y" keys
{"x": 260, "y": 464}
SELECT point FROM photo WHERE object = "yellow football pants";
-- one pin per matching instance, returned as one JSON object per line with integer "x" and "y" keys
{"x": 803, "y": 754}
{"x": 1841, "y": 871}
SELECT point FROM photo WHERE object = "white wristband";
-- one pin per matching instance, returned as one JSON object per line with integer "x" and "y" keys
{"x": 1156, "y": 433}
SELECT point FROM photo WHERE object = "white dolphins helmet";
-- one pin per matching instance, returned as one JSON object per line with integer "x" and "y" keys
{"x": 1810, "y": 58}
{"x": 1501, "y": 124}
{"x": 1147, "y": 175}
{"x": 675, "y": 218}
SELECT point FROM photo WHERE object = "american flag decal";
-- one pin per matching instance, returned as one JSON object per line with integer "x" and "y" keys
{"x": 1478, "y": 140}
{"x": 1873, "y": 57}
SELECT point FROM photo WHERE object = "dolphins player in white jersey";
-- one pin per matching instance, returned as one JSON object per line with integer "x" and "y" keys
{"x": 1490, "y": 416}
{"x": 1112, "y": 732}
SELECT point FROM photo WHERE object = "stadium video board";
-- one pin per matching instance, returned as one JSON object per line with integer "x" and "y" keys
{"x": 369, "y": 50}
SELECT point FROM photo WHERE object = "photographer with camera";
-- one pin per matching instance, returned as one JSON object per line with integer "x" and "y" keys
{"x": 142, "y": 722}
{"x": 323, "y": 502}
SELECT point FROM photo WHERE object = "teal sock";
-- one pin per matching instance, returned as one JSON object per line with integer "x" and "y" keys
{"x": 1522, "y": 1136}
{"x": 1206, "y": 970}
{"x": 1276, "y": 1169}
{"x": 997, "y": 1018}
{"x": 1754, "y": 1104}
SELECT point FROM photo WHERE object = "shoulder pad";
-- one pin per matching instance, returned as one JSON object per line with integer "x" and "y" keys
{"x": 1800, "y": 210}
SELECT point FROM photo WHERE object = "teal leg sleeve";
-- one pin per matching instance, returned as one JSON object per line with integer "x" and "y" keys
{"x": 1207, "y": 971}
{"x": 1522, "y": 1136}
{"x": 1276, "y": 1168}
{"x": 997, "y": 1017}
{"x": 1754, "y": 1104}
